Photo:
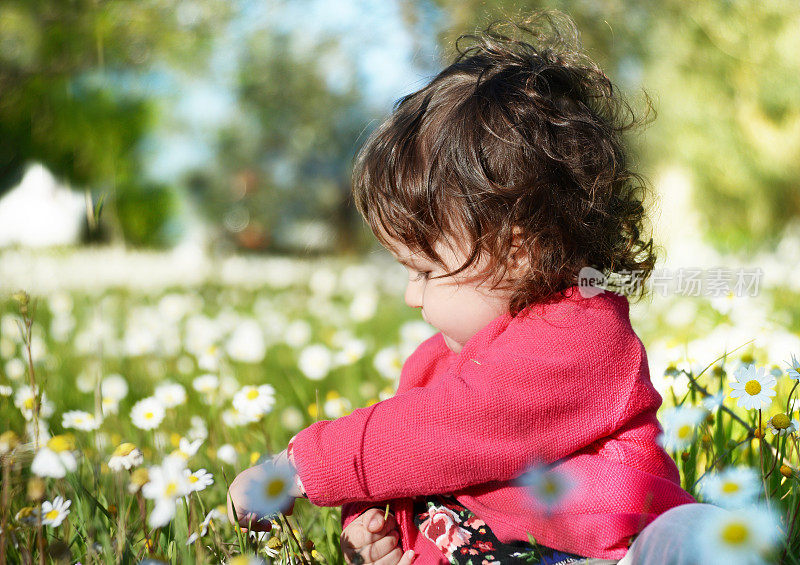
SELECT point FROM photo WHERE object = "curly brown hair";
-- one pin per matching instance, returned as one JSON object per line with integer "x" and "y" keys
{"x": 513, "y": 134}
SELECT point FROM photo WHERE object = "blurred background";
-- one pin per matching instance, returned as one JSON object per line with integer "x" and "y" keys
{"x": 151, "y": 144}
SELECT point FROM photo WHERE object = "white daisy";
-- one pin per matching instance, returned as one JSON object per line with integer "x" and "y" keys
{"x": 53, "y": 513}
{"x": 114, "y": 387}
{"x": 734, "y": 487}
{"x": 227, "y": 454}
{"x": 110, "y": 405}
{"x": 352, "y": 350}
{"x": 753, "y": 388}
{"x": 548, "y": 487}
{"x": 198, "y": 480}
{"x": 336, "y": 406}
{"x": 232, "y": 418}
{"x": 297, "y": 333}
{"x": 209, "y": 358}
{"x": 315, "y": 361}
{"x": 170, "y": 394}
{"x": 199, "y": 430}
{"x": 206, "y": 384}
{"x": 147, "y": 414}
{"x": 740, "y": 536}
{"x": 292, "y": 418}
{"x": 364, "y": 305}
{"x": 79, "y": 420}
{"x": 125, "y": 456}
{"x": 388, "y": 362}
{"x": 780, "y": 424}
{"x": 679, "y": 425}
{"x": 247, "y": 344}
{"x": 416, "y": 331}
{"x": 794, "y": 368}
{"x": 166, "y": 484}
{"x": 187, "y": 448}
{"x": 25, "y": 399}
{"x": 253, "y": 401}
{"x": 55, "y": 459}
{"x": 6, "y": 390}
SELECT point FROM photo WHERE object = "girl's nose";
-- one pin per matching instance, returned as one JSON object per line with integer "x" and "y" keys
{"x": 413, "y": 295}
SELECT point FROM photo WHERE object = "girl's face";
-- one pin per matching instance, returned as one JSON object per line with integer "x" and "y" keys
{"x": 458, "y": 305}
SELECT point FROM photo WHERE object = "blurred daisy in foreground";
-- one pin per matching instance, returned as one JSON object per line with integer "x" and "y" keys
{"x": 125, "y": 456}
{"x": 547, "y": 486}
{"x": 79, "y": 420}
{"x": 780, "y": 424}
{"x": 753, "y": 388}
{"x": 53, "y": 513}
{"x": 148, "y": 413}
{"x": 679, "y": 425}
{"x": 714, "y": 402}
{"x": 27, "y": 515}
{"x": 55, "y": 458}
{"x": 734, "y": 487}
{"x": 114, "y": 387}
{"x": 794, "y": 368}
{"x": 742, "y": 536}
{"x": 271, "y": 492}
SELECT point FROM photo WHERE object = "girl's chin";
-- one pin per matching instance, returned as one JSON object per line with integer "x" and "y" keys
{"x": 454, "y": 346}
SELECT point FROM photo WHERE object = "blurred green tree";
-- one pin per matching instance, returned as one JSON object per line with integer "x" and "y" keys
{"x": 724, "y": 78}
{"x": 285, "y": 160}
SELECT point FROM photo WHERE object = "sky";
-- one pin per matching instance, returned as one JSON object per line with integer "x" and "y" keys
{"x": 375, "y": 48}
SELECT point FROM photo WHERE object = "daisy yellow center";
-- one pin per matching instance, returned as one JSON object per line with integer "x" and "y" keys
{"x": 735, "y": 533}
{"x": 275, "y": 487}
{"x": 752, "y": 387}
{"x": 59, "y": 444}
{"x": 52, "y": 515}
{"x": 28, "y": 403}
{"x": 171, "y": 489}
{"x": 730, "y": 488}
{"x": 238, "y": 560}
{"x": 780, "y": 421}
{"x": 550, "y": 487}
{"x": 193, "y": 479}
{"x": 252, "y": 395}
{"x": 148, "y": 415}
{"x": 124, "y": 449}
{"x": 684, "y": 431}
{"x": 397, "y": 364}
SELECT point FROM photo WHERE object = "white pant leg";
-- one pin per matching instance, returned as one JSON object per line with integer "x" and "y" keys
{"x": 664, "y": 540}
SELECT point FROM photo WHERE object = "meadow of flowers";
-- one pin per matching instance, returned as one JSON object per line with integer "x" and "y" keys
{"x": 126, "y": 411}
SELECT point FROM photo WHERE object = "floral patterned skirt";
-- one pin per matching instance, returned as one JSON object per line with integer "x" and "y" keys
{"x": 466, "y": 539}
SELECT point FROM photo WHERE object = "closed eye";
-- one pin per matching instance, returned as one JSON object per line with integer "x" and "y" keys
{"x": 421, "y": 275}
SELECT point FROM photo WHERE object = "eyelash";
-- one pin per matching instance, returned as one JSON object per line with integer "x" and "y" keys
{"x": 421, "y": 274}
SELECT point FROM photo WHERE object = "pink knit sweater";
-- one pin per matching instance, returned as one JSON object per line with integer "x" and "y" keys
{"x": 565, "y": 383}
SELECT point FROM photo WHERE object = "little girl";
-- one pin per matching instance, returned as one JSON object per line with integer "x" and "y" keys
{"x": 495, "y": 185}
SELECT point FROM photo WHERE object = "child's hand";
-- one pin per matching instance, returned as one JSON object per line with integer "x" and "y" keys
{"x": 238, "y": 496}
{"x": 368, "y": 539}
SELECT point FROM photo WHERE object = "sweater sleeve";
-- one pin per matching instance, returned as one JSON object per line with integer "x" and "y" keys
{"x": 483, "y": 420}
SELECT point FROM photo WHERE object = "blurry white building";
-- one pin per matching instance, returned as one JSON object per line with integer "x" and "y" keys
{"x": 39, "y": 212}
